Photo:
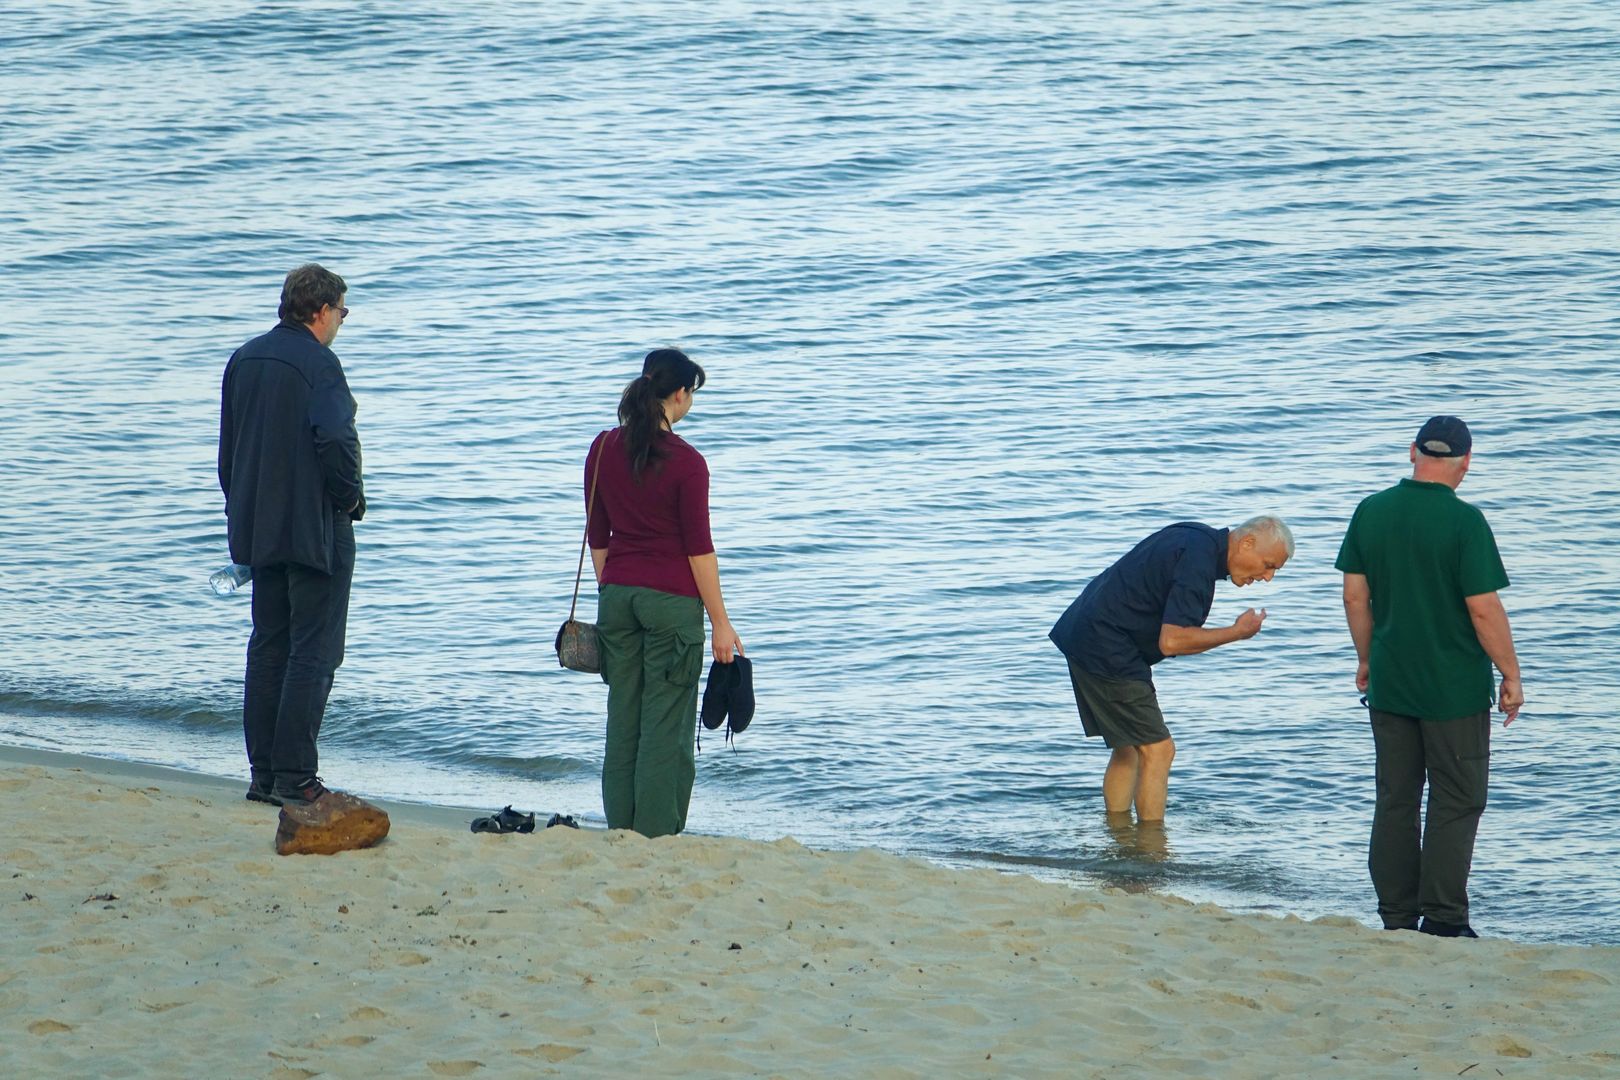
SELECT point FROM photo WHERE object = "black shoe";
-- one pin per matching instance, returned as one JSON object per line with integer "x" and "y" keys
{"x": 740, "y": 709}
{"x": 1447, "y": 929}
{"x": 259, "y": 791}
{"x": 566, "y": 820}
{"x": 713, "y": 713}
{"x": 304, "y": 794}
{"x": 508, "y": 820}
{"x": 729, "y": 696}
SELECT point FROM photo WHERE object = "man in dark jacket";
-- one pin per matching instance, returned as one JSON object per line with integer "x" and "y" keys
{"x": 289, "y": 464}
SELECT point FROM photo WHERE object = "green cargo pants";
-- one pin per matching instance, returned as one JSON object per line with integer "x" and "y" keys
{"x": 652, "y": 655}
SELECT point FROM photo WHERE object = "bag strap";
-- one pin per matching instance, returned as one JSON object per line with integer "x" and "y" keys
{"x": 590, "y": 508}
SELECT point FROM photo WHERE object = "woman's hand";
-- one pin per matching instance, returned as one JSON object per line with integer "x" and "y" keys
{"x": 727, "y": 645}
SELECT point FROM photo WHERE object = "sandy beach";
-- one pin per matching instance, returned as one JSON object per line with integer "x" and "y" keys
{"x": 151, "y": 930}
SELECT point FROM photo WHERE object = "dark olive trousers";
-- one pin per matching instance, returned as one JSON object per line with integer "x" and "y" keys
{"x": 1427, "y": 876}
{"x": 652, "y": 655}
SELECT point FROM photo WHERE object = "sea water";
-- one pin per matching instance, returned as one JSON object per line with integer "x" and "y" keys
{"x": 986, "y": 293}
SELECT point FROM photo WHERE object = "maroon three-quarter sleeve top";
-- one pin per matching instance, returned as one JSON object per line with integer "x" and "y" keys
{"x": 650, "y": 527}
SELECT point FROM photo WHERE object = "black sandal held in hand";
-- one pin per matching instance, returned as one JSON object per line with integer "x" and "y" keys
{"x": 729, "y": 697}
{"x": 508, "y": 820}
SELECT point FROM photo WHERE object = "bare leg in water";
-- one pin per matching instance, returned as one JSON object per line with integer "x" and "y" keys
{"x": 1119, "y": 781}
{"x": 1140, "y": 775}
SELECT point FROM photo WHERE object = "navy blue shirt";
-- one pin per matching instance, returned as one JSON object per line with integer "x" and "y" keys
{"x": 1112, "y": 628}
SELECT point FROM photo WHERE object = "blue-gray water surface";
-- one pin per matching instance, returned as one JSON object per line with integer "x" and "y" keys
{"x": 986, "y": 293}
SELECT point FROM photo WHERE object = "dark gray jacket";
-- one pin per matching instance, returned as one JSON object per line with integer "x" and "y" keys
{"x": 289, "y": 457}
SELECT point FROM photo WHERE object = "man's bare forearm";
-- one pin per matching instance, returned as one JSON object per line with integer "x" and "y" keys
{"x": 1358, "y": 613}
{"x": 1191, "y": 640}
{"x": 1494, "y": 633}
{"x": 1359, "y": 617}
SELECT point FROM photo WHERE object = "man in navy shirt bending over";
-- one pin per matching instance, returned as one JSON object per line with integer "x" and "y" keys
{"x": 1151, "y": 604}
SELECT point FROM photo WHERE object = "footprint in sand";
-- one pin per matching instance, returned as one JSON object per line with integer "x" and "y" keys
{"x": 454, "y": 1068}
{"x": 366, "y": 1012}
{"x": 1574, "y": 975}
{"x": 48, "y": 1027}
{"x": 552, "y": 1052}
{"x": 351, "y": 1041}
{"x": 1508, "y": 1046}
{"x": 1278, "y": 975}
{"x": 1239, "y": 999}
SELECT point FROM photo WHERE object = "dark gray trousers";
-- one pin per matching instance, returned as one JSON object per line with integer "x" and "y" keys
{"x": 1429, "y": 876}
{"x": 300, "y": 618}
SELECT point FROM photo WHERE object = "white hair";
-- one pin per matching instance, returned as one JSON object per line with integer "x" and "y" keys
{"x": 1449, "y": 462}
{"x": 1268, "y": 526}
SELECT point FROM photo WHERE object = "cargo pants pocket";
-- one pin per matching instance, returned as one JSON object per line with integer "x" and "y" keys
{"x": 685, "y": 663}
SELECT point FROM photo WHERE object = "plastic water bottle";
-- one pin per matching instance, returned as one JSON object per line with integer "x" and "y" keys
{"x": 228, "y": 579}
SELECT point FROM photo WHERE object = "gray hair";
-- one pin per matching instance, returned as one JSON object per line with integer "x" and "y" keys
{"x": 1268, "y": 526}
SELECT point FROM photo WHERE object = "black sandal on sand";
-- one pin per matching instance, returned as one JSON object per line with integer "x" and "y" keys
{"x": 565, "y": 820}
{"x": 508, "y": 820}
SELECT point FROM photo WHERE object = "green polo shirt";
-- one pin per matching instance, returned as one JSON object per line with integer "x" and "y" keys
{"x": 1424, "y": 552}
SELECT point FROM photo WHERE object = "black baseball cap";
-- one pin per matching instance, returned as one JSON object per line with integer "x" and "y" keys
{"x": 1444, "y": 436}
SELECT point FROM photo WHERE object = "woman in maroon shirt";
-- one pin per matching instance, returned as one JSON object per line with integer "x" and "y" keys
{"x": 656, "y": 573}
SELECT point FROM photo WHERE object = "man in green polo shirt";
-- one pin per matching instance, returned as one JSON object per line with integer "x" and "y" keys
{"x": 1421, "y": 573}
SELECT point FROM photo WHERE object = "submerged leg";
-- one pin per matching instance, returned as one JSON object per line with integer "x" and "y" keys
{"x": 1152, "y": 786}
{"x": 1119, "y": 781}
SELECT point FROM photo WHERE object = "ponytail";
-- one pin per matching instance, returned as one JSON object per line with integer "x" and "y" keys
{"x": 641, "y": 409}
